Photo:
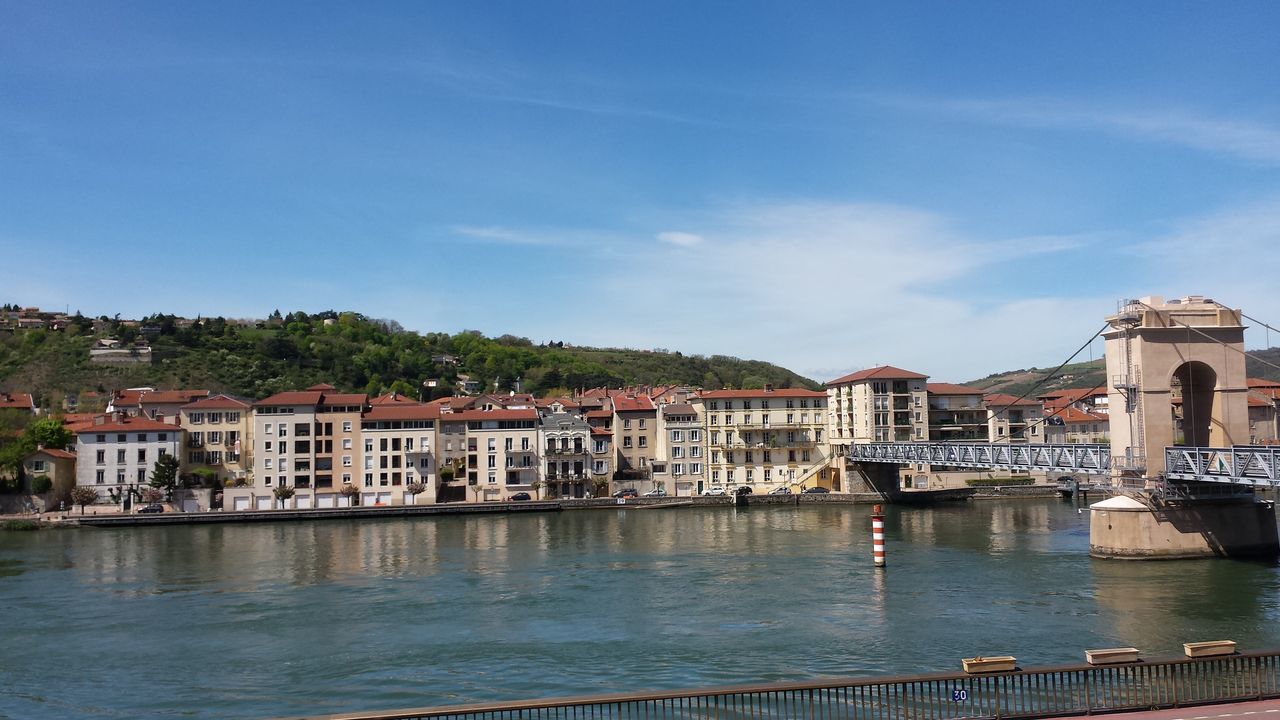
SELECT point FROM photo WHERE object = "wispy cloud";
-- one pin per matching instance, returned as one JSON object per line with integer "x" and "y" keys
{"x": 506, "y": 236}
{"x": 1242, "y": 139}
{"x": 679, "y": 239}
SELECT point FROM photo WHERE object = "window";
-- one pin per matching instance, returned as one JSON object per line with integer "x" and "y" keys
{"x": 163, "y": 437}
{"x": 101, "y": 438}
{"x": 268, "y": 446}
{"x": 508, "y": 444}
{"x": 764, "y": 404}
{"x": 598, "y": 446}
{"x": 346, "y": 461}
{"x": 749, "y": 457}
{"x": 746, "y": 404}
{"x": 121, "y": 438}
{"x": 715, "y": 476}
{"x": 768, "y": 475}
{"x": 626, "y": 423}
{"x": 346, "y": 443}
{"x": 142, "y": 455}
{"x": 142, "y": 475}
{"x": 804, "y": 456}
{"x": 677, "y": 452}
{"x": 677, "y": 468}
{"x": 267, "y": 429}
{"x": 233, "y": 417}
{"x": 142, "y": 437}
{"x": 597, "y": 466}
{"x": 751, "y": 475}
{"x": 266, "y": 463}
{"x": 768, "y": 456}
{"x": 368, "y": 479}
{"x": 346, "y": 426}
{"x": 644, "y": 441}
{"x": 695, "y": 451}
{"x": 695, "y": 468}
{"x": 493, "y": 478}
{"x": 346, "y": 478}
{"x": 695, "y": 436}
{"x": 641, "y": 423}
{"x": 119, "y": 456}
{"x": 791, "y": 418}
{"x": 493, "y": 444}
{"x": 119, "y": 477}
{"x": 626, "y": 441}
{"x": 284, "y": 431}
{"x": 197, "y": 418}
{"x": 215, "y": 437}
{"x": 100, "y": 477}
{"x": 493, "y": 461}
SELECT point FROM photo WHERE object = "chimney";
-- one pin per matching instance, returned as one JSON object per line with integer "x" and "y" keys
{"x": 768, "y": 387}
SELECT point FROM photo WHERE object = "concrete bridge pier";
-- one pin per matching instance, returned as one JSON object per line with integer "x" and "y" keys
{"x": 1125, "y": 528}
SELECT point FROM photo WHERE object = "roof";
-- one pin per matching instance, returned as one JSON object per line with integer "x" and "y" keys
{"x": 125, "y": 424}
{"x": 600, "y": 431}
{"x": 393, "y": 398}
{"x": 329, "y": 398}
{"x": 169, "y": 397}
{"x": 886, "y": 372}
{"x": 54, "y": 452}
{"x": 1263, "y": 383}
{"x": 1072, "y": 394}
{"x": 402, "y": 411}
{"x": 16, "y": 400}
{"x": 599, "y": 413}
{"x": 628, "y": 403}
{"x": 292, "y": 397}
{"x": 1072, "y": 415}
{"x": 951, "y": 389}
{"x": 1009, "y": 400}
{"x": 520, "y": 414}
{"x": 217, "y": 402}
{"x": 784, "y": 393}
{"x": 1259, "y": 402}
{"x": 565, "y": 402}
{"x": 679, "y": 409}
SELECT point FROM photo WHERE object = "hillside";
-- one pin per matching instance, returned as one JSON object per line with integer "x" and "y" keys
{"x": 351, "y": 352}
{"x": 1092, "y": 374}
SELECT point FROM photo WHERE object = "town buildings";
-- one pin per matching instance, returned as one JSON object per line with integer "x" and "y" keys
{"x": 219, "y": 431}
{"x": 767, "y": 439}
{"x": 117, "y": 452}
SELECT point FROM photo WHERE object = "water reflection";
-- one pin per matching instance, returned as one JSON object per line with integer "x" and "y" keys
{"x": 395, "y": 612}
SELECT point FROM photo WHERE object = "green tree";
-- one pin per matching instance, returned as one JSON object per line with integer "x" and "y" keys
{"x": 82, "y": 495}
{"x": 164, "y": 475}
{"x": 49, "y": 432}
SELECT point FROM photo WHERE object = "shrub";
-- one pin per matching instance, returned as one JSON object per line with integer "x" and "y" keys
{"x": 41, "y": 484}
{"x": 994, "y": 482}
{"x": 20, "y": 525}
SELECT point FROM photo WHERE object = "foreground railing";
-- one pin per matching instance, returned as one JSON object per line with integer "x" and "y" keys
{"x": 1246, "y": 465}
{"x": 1032, "y": 693}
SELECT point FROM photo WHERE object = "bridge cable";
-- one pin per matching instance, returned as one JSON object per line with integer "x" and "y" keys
{"x": 1056, "y": 370}
{"x": 1198, "y": 331}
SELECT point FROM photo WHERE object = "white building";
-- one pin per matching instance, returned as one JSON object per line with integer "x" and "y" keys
{"x": 118, "y": 452}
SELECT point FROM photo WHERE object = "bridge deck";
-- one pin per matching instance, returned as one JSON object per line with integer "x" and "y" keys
{"x": 1240, "y": 465}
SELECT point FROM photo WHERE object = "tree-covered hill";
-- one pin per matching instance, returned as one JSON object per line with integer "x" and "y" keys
{"x": 1093, "y": 374}
{"x": 351, "y": 352}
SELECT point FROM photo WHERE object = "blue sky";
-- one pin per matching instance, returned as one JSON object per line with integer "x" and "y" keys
{"x": 955, "y": 188}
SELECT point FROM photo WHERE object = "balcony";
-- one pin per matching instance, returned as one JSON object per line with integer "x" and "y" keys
{"x": 193, "y": 443}
{"x": 561, "y": 451}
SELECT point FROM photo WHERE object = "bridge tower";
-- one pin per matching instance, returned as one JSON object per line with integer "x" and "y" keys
{"x": 1176, "y": 376}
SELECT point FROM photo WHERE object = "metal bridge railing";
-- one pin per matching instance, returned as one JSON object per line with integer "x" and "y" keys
{"x": 1248, "y": 465}
{"x": 1075, "y": 458}
{"x": 1035, "y": 692}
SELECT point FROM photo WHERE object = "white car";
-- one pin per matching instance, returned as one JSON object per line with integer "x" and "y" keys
{"x": 656, "y": 492}
{"x": 780, "y": 490}
{"x": 715, "y": 491}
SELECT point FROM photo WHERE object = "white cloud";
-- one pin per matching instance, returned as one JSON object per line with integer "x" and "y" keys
{"x": 1240, "y": 138}
{"x": 679, "y": 239}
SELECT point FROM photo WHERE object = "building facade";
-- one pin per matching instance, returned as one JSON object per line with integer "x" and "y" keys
{"x": 116, "y": 454}
{"x": 767, "y": 439}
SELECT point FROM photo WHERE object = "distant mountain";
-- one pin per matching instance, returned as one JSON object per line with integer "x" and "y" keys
{"x": 1093, "y": 374}
{"x": 351, "y": 352}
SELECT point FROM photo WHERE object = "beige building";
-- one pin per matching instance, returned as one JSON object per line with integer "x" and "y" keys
{"x": 503, "y": 455}
{"x": 956, "y": 413}
{"x": 57, "y": 465}
{"x": 299, "y": 437}
{"x": 1013, "y": 419}
{"x": 219, "y": 437}
{"x": 1070, "y": 425}
{"x": 680, "y": 461}
{"x": 398, "y": 441}
{"x": 880, "y": 404}
{"x": 635, "y": 435}
{"x": 767, "y": 439}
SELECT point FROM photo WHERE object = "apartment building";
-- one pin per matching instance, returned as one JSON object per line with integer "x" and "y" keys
{"x": 956, "y": 413}
{"x": 635, "y": 434}
{"x": 502, "y": 456}
{"x": 116, "y": 452}
{"x": 219, "y": 431}
{"x": 566, "y": 442}
{"x": 299, "y": 437}
{"x": 880, "y": 404}
{"x": 1013, "y": 419}
{"x": 764, "y": 439}
{"x": 397, "y": 461}
{"x": 681, "y": 453}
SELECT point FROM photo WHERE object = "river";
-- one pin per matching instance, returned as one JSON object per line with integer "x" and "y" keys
{"x": 266, "y": 620}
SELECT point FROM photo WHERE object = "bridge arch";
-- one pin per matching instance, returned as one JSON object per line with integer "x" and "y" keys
{"x": 1195, "y": 386}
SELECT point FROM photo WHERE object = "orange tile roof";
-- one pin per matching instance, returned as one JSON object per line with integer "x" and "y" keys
{"x": 1263, "y": 383}
{"x": 600, "y": 431}
{"x": 951, "y": 389}
{"x": 16, "y": 400}
{"x": 292, "y": 397}
{"x": 171, "y": 396}
{"x": 1072, "y": 415}
{"x": 54, "y": 452}
{"x": 887, "y": 372}
{"x": 344, "y": 399}
{"x": 127, "y": 397}
{"x": 1259, "y": 402}
{"x": 638, "y": 403}
{"x": 217, "y": 402}
{"x": 393, "y": 398}
{"x": 765, "y": 394}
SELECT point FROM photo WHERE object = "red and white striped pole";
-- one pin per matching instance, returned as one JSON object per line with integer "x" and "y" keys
{"x": 877, "y": 535}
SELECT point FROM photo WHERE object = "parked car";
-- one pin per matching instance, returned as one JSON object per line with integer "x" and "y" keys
{"x": 521, "y": 496}
{"x": 151, "y": 509}
{"x": 743, "y": 490}
{"x": 656, "y": 492}
{"x": 626, "y": 493}
{"x": 715, "y": 491}
{"x": 816, "y": 491}
{"x": 781, "y": 490}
